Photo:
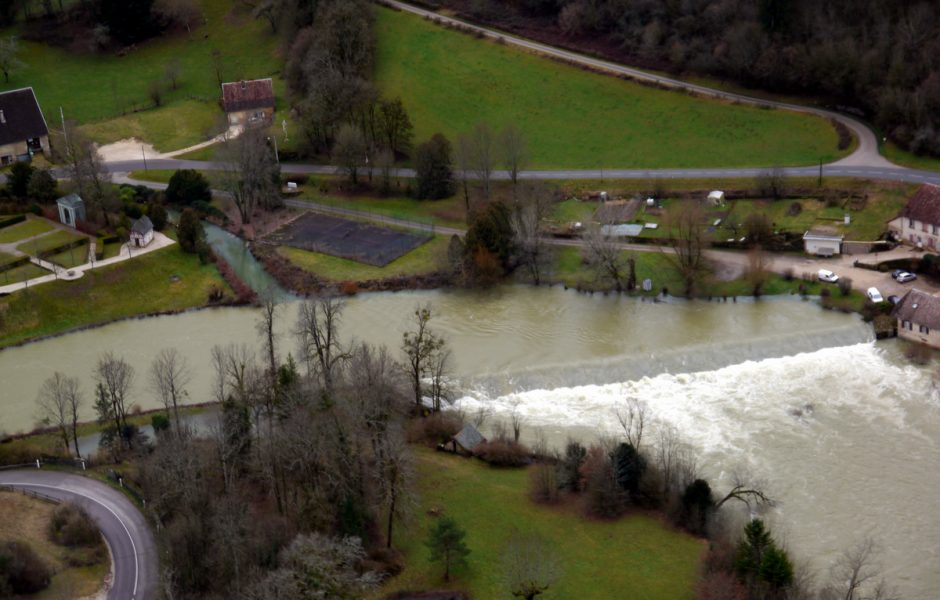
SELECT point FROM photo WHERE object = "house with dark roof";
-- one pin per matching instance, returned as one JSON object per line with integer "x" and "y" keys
{"x": 467, "y": 440}
{"x": 23, "y": 130}
{"x": 918, "y": 316}
{"x": 248, "y": 102}
{"x": 919, "y": 221}
{"x": 141, "y": 232}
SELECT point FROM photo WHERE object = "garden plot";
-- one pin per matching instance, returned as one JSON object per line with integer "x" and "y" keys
{"x": 353, "y": 240}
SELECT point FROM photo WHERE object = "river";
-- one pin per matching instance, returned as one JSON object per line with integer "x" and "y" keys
{"x": 844, "y": 431}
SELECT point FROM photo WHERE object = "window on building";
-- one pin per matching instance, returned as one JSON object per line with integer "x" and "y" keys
{"x": 934, "y": 229}
{"x": 905, "y": 325}
{"x": 910, "y": 223}
{"x": 925, "y": 329}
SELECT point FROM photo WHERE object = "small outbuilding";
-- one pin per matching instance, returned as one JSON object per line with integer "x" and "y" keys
{"x": 822, "y": 242}
{"x": 467, "y": 440}
{"x": 918, "y": 317}
{"x": 248, "y": 103}
{"x": 71, "y": 209}
{"x": 716, "y": 198}
{"x": 141, "y": 232}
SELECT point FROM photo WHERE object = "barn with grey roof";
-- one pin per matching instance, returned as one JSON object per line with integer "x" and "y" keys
{"x": 23, "y": 130}
{"x": 918, "y": 317}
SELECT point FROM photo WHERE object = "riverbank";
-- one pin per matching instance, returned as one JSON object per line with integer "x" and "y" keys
{"x": 167, "y": 281}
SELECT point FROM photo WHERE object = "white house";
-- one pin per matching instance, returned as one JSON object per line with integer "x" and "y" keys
{"x": 918, "y": 315}
{"x": 919, "y": 222}
{"x": 141, "y": 232}
{"x": 820, "y": 242}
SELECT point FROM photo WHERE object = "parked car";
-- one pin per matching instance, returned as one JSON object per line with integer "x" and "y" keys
{"x": 896, "y": 272}
{"x": 828, "y": 276}
{"x": 906, "y": 277}
{"x": 874, "y": 295}
{"x": 894, "y": 299}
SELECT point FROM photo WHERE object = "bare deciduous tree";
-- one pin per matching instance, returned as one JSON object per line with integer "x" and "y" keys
{"x": 748, "y": 490}
{"x": 607, "y": 258}
{"x": 685, "y": 220}
{"x": 857, "y": 576}
{"x": 463, "y": 156}
{"x": 482, "y": 156}
{"x": 115, "y": 377}
{"x": 350, "y": 151}
{"x": 531, "y": 565}
{"x": 516, "y": 421}
{"x": 395, "y": 478}
{"x": 514, "y": 152}
{"x": 59, "y": 400}
{"x": 632, "y": 419}
{"x": 169, "y": 376}
{"x": 534, "y": 204}
{"x": 757, "y": 270}
{"x": 184, "y": 12}
{"x": 250, "y": 173}
{"x": 318, "y": 336}
{"x": 270, "y": 307}
{"x": 422, "y": 348}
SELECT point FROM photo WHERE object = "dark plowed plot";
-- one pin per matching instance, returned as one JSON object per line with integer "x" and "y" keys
{"x": 354, "y": 240}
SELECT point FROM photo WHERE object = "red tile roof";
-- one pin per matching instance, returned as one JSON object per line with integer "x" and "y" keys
{"x": 247, "y": 95}
{"x": 924, "y": 205}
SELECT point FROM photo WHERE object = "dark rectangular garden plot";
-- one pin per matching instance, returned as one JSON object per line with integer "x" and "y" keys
{"x": 353, "y": 240}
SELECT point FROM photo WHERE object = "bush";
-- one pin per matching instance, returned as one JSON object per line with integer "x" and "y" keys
{"x": 569, "y": 469}
{"x": 71, "y": 526}
{"x": 186, "y": 187}
{"x": 43, "y": 187}
{"x": 433, "y": 169}
{"x": 190, "y": 232}
{"x": 159, "y": 423}
{"x": 435, "y": 429}
{"x": 543, "y": 483}
{"x": 22, "y": 571}
{"x": 845, "y": 286}
{"x": 18, "y": 179}
{"x": 602, "y": 496}
{"x": 158, "y": 217}
{"x": 503, "y": 453}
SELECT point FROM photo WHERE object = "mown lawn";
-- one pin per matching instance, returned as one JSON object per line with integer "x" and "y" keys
{"x": 448, "y": 212}
{"x": 27, "y": 229}
{"x": 633, "y": 557}
{"x": 92, "y": 88}
{"x": 427, "y": 258}
{"x": 577, "y": 119}
{"x": 138, "y": 286}
{"x": 908, "y": 159}
{"x": 26, "y": 520}
{"x": 48, "y": 242}
{"x": 22, "y": 273}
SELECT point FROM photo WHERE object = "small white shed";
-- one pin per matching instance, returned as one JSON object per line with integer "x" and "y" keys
{"x": 141, "y": 232}
{"x": 716, "y": 198}
{"x": 822, "y": 243}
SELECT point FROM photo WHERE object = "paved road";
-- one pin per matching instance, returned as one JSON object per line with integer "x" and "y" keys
{"x": 831, "y": 170}
{"x": 128, "y": 535}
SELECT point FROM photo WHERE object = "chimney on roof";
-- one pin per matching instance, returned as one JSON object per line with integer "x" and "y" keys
{"x": 244, "y": 84}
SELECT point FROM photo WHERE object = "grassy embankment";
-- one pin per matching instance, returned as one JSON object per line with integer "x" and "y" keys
{"x": 633, "y": 557}
{"x": 25, "y": 520}
{"x": 98, "y": 89}
{"x": 577, "y": 119}
{"x": 138, "y": 286}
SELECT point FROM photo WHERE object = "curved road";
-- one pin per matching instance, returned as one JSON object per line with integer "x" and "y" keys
{"x": 129, "y": 538}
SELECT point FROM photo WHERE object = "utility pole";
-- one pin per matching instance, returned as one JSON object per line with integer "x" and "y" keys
{"x": 820, "y": 171}
{"x": 144, "y": 154}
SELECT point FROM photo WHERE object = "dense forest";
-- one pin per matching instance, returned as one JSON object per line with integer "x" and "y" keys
{"x": 877, "y": 58}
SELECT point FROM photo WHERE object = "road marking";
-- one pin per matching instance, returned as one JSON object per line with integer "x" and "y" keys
{"x": 108, "y": 508}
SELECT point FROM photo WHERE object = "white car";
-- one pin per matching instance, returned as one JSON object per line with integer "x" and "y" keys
{"x": 828, "y": 276}
{"x": 874, "y": 295}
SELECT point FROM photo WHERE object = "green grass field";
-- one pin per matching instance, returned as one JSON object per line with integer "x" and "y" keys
{"x": 93, "y": 89}
{"x": 424, "y": 259}
{"x": 635, "y": 557}
{"x": 22, "y": 273}
{"x": 138, "y": 286}
{"x": 909, "y": 159}
{"x": 48, "y": 242}
{"x": 32, "y": 226}
{"x": 70, "y": 258}
{"x": 574, "y": 118}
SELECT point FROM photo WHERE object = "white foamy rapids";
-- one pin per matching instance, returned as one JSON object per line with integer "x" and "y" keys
{"x": 846, "y": 436}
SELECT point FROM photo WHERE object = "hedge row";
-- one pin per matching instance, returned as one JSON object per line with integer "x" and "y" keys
{"x": 12, "y": 221}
